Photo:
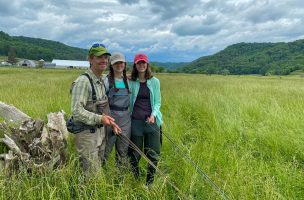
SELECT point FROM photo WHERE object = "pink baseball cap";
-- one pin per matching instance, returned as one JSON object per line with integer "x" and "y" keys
{"x": 140, "y": 57}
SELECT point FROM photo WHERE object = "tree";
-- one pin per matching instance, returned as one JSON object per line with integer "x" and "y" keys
{"x": 225, "y": 72}
{"x": 157, "y": 69}
{"x": 212, "y": 70}
{"x": 11, "y": 57}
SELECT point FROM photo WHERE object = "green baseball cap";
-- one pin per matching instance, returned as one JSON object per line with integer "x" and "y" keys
{"x": 98, "y": 50}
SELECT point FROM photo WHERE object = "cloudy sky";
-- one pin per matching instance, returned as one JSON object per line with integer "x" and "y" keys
{"x": 167, "y": 30}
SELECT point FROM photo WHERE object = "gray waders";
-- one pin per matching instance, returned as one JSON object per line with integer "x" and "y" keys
{"x": 119, "y": 101}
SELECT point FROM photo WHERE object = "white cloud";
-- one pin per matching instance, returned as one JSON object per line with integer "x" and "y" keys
{"x": 197, "y": 25}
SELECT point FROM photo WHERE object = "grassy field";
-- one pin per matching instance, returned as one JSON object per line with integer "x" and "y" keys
{"x": 245, "y": 132}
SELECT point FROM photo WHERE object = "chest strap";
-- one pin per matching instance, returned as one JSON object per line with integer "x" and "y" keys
{"x": 117, "y": 108}
{"x": 94, "y": 98}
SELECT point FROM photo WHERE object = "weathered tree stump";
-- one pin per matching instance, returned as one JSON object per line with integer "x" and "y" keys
{"x": 32, "y": 145}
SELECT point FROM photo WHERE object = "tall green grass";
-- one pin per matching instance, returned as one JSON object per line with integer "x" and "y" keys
{"x": 245, "y": 132}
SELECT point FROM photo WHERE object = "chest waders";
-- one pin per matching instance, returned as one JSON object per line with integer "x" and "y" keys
{"x": 119, "y": 101}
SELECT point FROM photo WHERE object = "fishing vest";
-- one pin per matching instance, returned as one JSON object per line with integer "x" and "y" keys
{"x": 96, "y": 106}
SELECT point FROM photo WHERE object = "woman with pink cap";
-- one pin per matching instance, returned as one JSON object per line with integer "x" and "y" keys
{"x": 146, "y": 116}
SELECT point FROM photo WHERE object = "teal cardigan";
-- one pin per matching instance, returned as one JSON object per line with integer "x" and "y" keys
{"x": 155, "y": 97}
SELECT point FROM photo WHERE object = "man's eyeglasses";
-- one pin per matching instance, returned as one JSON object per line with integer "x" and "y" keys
{"x": 97, "y": 45}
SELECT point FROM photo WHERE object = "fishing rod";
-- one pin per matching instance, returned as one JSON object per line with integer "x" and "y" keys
{"x": 196, "y": 166}
{"x": 126, "y": 140}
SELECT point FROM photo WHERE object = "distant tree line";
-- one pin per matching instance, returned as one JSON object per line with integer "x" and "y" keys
{"x": 252, "y": 58}
{"x": 155, "y": 67}
{"x": 36, "y": 49}
{"x": 242, "y": 58}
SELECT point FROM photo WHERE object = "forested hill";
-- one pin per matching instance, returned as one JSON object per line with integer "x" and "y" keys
{"x": 36, "y": 49}
{"x": 252, "y": 58}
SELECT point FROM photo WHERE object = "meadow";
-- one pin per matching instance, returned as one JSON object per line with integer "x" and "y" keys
{"x": 245, "y": 133}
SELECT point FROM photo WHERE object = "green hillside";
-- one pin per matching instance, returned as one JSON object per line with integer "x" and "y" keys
{"x": 36, "y": 49}
{"x": 252, "y": 58}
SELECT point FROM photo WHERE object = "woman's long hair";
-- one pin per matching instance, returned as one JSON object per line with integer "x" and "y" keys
{"x": 134, "y": 73}
{"x": 112, "y": 79}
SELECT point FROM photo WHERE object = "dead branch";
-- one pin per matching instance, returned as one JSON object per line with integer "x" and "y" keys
{"x": 11, "y": 114}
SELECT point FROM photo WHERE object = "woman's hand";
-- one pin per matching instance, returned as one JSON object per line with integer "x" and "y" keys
{"x": 151, "y": 119}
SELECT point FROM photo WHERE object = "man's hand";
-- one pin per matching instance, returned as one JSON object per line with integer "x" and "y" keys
{"x": 115, "y": 128}
{"x": 109, "y": 121}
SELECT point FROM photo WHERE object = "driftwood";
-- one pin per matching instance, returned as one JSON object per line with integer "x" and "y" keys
{"x": 33, "y": 145}
{"x": 12, "y": 114}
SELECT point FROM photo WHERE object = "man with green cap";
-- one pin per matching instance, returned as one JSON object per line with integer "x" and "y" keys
{"x": 90, "y": 108}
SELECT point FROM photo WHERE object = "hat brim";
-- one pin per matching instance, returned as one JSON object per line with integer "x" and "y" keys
{"x": 141, "y": 60}
{"x": 118, "y": 60}
{"x": 101, "y": 53}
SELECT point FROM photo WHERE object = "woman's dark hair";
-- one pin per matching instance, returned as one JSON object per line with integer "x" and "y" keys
{"x": 112, "y": 79}
{"x": 134, "y": 73}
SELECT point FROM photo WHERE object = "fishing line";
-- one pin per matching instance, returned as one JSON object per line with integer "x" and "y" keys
{"x": 126, "y": 140}
{"x": 195, "y": 165}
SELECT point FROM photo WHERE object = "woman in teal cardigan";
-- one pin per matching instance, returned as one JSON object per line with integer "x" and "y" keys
{"x": 146, "y": 116}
